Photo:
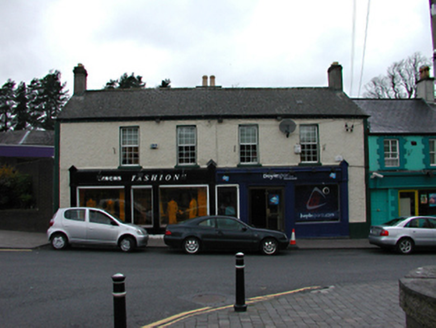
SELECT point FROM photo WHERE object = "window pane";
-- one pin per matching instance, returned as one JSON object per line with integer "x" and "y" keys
{"x": 248, "y": 144}
{"x": 76, "y": 215}
{"x": 309, "y": 143}
{"x": 228, "y": 201}
{"x": 391, "y": 153}
{"x": 432, "y": 152}
{"x": 182, "y": 203}
{"x": 142, "y": 209}
{"x": 187, "y": 144}
{"x": 129, "y": 146}
{"x": 108, "y": 199}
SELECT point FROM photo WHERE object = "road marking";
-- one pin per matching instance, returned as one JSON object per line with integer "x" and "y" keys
{"x": 185, "y": 315}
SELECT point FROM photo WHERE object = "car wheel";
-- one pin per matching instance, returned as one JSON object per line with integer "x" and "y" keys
{"x": 127, "y": 244}
{"x": 405, "y": 246}
{"x": 191, "y": 245}
{"x": 59, "y": 241}
{"x": 269, "y": 246}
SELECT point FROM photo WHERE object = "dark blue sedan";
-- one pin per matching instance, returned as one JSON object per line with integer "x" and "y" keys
{"x": 223, "y": 233}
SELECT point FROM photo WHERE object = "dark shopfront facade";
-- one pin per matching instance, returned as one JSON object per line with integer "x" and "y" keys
{"x": 311, "y": 200}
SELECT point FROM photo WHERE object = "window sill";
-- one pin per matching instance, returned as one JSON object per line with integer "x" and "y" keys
{"x": 250, "y": 165}
{"x": 130, "y": 167}
{"x": 188, "y": 166}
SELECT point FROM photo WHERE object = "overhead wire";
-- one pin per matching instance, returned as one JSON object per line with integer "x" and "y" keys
{"x": 364, "y": 47}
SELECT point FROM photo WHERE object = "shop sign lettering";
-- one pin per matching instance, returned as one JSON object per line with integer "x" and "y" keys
{"x": 279, "y": 176}
{"x": 157, "y": 177}
{"x": 109, "y": 178}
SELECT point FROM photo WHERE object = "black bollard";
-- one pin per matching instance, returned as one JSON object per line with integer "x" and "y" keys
{"x": 240, "y": 305}
{"x": 119, "y": 294}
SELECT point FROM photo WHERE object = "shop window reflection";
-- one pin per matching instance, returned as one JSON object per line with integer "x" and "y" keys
{"x": 228, "y": 201}
{"x": 111, "y": 200}
{"x": 179, "y": 204}
{"x": 142, "y": 206}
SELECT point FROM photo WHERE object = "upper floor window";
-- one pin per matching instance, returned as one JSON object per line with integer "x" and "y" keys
{"x": 309, "y": 144}
{"x": 391, "y": 153}
{"x": 129, "y": 144}
{"x": 248, "y": 144}
{"x": 432, "y": 152}
{"x": 186, "y": 145}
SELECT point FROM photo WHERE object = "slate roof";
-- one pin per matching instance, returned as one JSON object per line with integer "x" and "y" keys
{"x": 27, "y": 138}
{"x": 185, "y": 103}
{"x": 399, "y": 116}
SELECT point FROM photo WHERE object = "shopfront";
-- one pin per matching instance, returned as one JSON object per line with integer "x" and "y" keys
{"x": 150, "y": 198}
{"x": 311, "y": 200}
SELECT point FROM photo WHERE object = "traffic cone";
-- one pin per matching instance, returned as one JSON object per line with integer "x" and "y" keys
{"x": 293, "y": 242}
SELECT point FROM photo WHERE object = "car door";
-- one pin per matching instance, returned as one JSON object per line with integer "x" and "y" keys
{"x": 420, "y": 231}
{"x": 101, "y": 229}
{"x": 207, "y": 231}
{"x": 232, "y": 234}
{"x": 74, "y": 224}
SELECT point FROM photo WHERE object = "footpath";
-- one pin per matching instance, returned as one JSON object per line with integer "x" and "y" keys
{"x": 357, "y": 305}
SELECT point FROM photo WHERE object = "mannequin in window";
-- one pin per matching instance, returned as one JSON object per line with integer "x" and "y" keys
{"x": 193, "y": 207}
{"x": 172, "y": 210}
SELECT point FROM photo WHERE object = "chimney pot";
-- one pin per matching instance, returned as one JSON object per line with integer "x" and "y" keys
{"x": 204, "y": 80}
{"x": 212, "y": 80}
{"x": 424, "y": 72}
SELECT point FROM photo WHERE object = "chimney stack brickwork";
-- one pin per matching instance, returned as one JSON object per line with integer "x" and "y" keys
{"x": 335, "y": 76}
{"x": 425, "y": 85}
{"x": 80, "y": 75}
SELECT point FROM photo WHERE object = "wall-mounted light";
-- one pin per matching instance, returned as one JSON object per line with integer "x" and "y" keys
{"x": 376, "y": 175}
{"x": 153, "y": 146}
{"x": 157, "y": 120}
{"x": 349, "y": 128}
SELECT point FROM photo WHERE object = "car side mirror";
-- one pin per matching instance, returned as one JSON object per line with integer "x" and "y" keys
{"x": 114, "y": 223}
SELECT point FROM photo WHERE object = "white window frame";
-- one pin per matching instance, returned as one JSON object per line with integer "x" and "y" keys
{"x": 251, "y": 154}
{"x": 432, "y": 152}
{"x": 391, "y": 156}
{"x": 129, "y": 148}
{"x": 309, "y": 143}
{"x": 184, "y": 145}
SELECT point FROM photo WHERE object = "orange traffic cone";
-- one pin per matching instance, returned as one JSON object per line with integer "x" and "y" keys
{"x": 293, "y": 242}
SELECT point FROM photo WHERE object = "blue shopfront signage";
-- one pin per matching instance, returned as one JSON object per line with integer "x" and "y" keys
{"x": 317, "y": 203}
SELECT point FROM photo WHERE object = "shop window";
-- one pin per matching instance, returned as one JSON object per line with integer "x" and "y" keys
{"x": 186, "y": 145}
{"x": 309, "y": 144}
{"x": 433, "y": 152}
{"x": 177, "y": 204}
{"x": 227, "y": 200}
{"x": 129, "y": 144}
{"x": 111, "y": 200}
{"x": 314, "y": 203}
{"x": 248, "y": 144}
{"x": 142, "y": 206}
{"x": 391, "y": 153}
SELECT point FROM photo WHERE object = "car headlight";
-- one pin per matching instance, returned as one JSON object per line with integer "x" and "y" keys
{"x": 139, "y": 231}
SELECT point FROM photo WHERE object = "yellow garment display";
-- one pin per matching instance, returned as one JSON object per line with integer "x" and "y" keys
{"x": 172, "y": 210}
{"x": 193, "y": 208}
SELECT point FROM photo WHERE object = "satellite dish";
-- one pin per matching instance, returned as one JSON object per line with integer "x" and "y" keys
{"x": 287, "y": 127}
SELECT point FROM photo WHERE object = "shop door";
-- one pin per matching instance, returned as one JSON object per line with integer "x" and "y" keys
{"x": 408, "y": 203}
{"x": 266, "y": 208}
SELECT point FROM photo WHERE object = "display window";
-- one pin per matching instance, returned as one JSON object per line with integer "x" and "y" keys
{"x": 317, "y": 203}
{"x": 111, "y": 200}
{"x": 142, "y": 210}
{"x": 227, "y": 201}
{"x": 181, "y": 203}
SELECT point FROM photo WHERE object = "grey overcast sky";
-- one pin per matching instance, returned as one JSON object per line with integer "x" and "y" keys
{"x": 244, "y": 43}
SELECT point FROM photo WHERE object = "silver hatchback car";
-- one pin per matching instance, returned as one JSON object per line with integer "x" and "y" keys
{"x": 93, "y": 226}
{"x": 405, "y": 234}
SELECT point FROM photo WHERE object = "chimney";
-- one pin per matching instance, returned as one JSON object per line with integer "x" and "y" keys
{"x": 204, "y": 81}
{"x": 335, "y": 76}
{"x": 80, "y": 75}
{"x": 425, "y": 85}
{"x": 212, "y": 80}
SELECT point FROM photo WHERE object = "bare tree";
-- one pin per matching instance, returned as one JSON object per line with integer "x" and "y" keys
{"x": 400, "y": 80}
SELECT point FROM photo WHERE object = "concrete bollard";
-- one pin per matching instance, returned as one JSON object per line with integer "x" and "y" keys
{"x": 119, "y": 294}
{"x": 240, "y": 305}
